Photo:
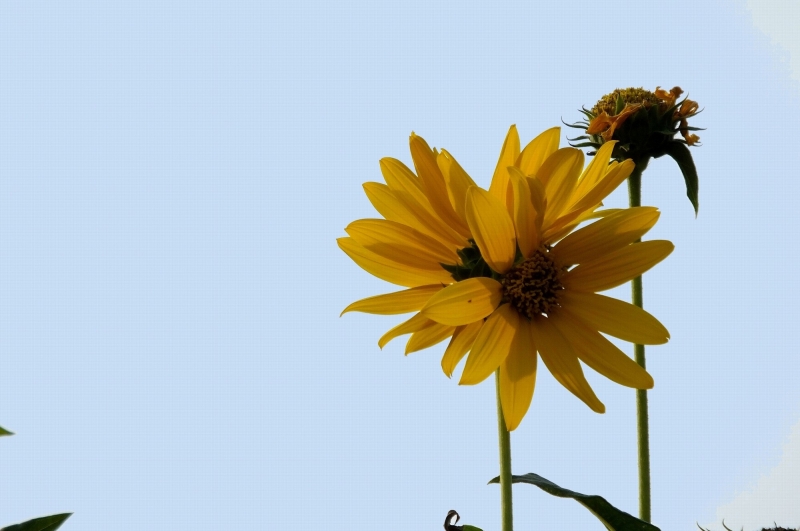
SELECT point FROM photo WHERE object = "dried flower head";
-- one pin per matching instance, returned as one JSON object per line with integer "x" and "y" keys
{"x": 644, "y": 124}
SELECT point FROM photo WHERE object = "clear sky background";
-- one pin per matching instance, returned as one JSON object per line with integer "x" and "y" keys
{"x": 173, "y": 176}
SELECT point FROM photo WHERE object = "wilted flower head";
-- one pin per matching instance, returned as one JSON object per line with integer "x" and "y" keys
{"x": 645, "y": 125}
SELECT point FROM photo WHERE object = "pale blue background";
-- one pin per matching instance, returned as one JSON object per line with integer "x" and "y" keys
{"x": 172, "y": 180}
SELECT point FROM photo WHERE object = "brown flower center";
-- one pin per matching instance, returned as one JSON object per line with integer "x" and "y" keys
{"x": 533, "y": 286}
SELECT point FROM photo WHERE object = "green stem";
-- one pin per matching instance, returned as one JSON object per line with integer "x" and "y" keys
{"x": 505, "y": 462}
{"x": 642, "y": 421}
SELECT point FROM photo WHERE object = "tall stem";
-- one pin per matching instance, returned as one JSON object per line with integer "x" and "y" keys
{"x": 505, "y": 462}
{"x": 642, "y": 421}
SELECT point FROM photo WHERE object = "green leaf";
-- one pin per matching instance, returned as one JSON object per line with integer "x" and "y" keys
{"x": 45, "y": 523}
{"x": 470, "y": 528}
{"x": 612, "y": 518}
{"x": 680, "y": 153}
{"x": 4, "y": 432}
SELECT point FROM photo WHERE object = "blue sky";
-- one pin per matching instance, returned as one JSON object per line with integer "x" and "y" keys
{"x": 172, "y": 180}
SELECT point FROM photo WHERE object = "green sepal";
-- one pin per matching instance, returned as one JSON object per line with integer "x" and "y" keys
{"x": 471, "y": 264}
{"x": 653, "y": 117}
{"x": 45, "y": 523}
{"x": 680, "y": 153}
{"x": 4, "y": 432}
{"x": 578, "y": 125}
{"x": 619, "y": 104}
{"x": 671, "y": 111}
{"x": 586, "y": 144}
{"x": 611, "y": 517}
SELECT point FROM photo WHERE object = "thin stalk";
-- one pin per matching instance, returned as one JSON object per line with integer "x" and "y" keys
{"x": 505, "y": 463}
{"x": 642, "y": 421}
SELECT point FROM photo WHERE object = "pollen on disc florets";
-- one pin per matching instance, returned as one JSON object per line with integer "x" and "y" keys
{"x": 533, "y": 286}
{"x": 608, "y": 103}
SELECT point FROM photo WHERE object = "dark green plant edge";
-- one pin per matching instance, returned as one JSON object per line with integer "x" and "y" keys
{"x": 680, "y": 154}
{"x": 45, "y": 523}
{"x": 613, "y": 518}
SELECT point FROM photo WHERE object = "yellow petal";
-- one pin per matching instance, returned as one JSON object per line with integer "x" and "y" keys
{"x": 401, "y": 243}
{"x": 561, "y": 360}
{"x": 398, "y": 176}
{"x": 458, "y": 182}
{"x": 600, "y": 354}
{"x": 616, "y": 174}
{"x": 567, "y": 223}
{"x": 414, "y": 324}
{"x": 524, "y": 214}
{"x": 560, "y": 173}
{"x": 427, "y": 337}
{"x": 596, "y": 170}
{"x": 433, "y": 183}
{"x": 408, "y": 190}
{"x": 409, "y": 300}
{"x": 390, "y": 270}
{"x": 606, "y": 235}
{"x": 618, "y": 267}
{"x": 518, "y": 376}
{"x": 537, "y": 200}
{"x": 537, "y": 151}
{"x": 508, "y": 155}
{"x": 491, "y": 346}
{"x": 464, "y": 302}
{"x": 463, "y": 339}
{"x": 615, "y": 317}
{"x": 391, "y": 208}
{"x": 492, "y": 229}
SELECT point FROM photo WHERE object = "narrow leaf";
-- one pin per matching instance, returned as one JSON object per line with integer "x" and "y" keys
{"x": 613, "y": 518}
{"x": 45, "y": 523}
{"x": 680, "y": 153}
{"x": 4, "y": 431}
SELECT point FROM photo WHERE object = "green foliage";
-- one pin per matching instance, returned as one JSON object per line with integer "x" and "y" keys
{"x": 613, "y": 518}
{"x": 471, "y": 265}
{"x": 450, "y": 523}
{"x": 680, "y": 153}
{"x": 45, "y": 523}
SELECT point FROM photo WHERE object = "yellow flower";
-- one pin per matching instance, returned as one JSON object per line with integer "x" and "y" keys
{"x": 503, "y": 273}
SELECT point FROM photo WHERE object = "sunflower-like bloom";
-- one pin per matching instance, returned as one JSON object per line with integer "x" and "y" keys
{"x": 503, "y": 273}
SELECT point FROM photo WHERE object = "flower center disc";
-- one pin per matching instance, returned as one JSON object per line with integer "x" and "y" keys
{"x": 533, "y": 286}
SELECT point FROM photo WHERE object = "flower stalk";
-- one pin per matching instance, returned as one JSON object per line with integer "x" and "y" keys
{"x": 504, "y": 441}
{"x": 642, "y": 419}
{"x": 645, "y": 125}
